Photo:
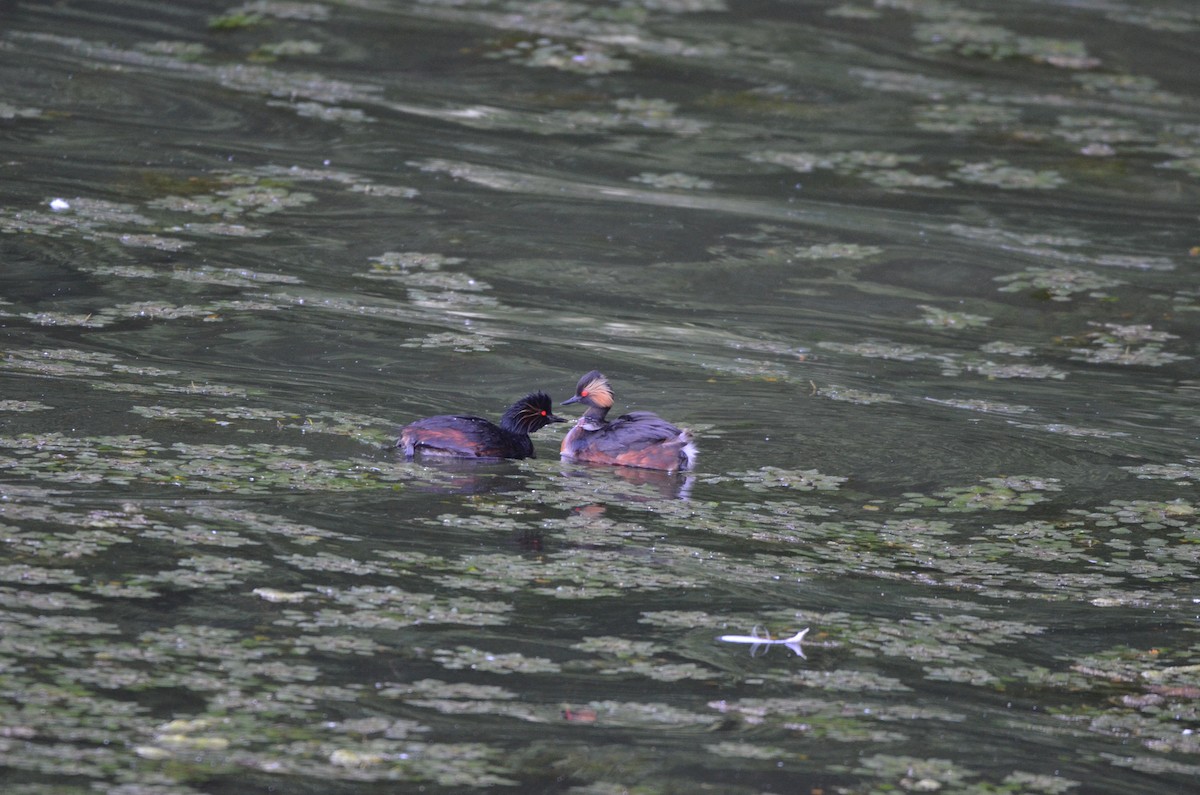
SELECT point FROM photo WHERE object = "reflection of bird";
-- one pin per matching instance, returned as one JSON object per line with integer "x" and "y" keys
{"x": 637, "y": 439}
{"x": 475, "y": 437}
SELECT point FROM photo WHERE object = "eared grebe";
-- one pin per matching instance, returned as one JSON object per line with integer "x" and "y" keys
{"x": 637, "y": 439}
{"x": 475, "y": 437}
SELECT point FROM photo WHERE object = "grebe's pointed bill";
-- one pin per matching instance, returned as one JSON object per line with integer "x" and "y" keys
{"x": 758, "y": 640}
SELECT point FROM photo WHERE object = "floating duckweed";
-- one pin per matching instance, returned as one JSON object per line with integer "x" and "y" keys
{"x": 209, "y": 571}
{"x": 36, "y": 222}
{"x": 1006, "y": 348}
{"x": 664, "y": 671}
{"x": 276, "y": 595}
{"x": 29, "y": 600}
{"x": 179, "y": 413}
{"x": 1058, "y": 284}
{"x": 461, "y": 343}
{"x": 338, "y": 644}
{"x": 684, "y": 6}
{"x": 25, "y": 574}
{"x": 583, "y": 57}
{"x": 673, "y": 179}
{"x": 377, "y": 725}
{"x": 941, "y": 318}
{"x": 1149, "y": 514}
{"x": 849, "y": 11}
{"x": 758, "y": 710}
{"x": 329, "y": 562}
{"x": 688, "y": 619}
{"x": 985, "y": 406}
{"x": 639, "y": 114}
{"x": 857, "y": 396}
{"x": 8, "y": 111}
{"x": 1047, "y": 784}
{"x": 620, "y": 573}
{"x": 858, "y": 159}
{"x": 285, "y": 9}
{"x": 827, "y": 251}
{"x": 747, "y": 751}
{"x": 802, "y": 162}
{"x": 230, "y": 277}
{"x": 153, "y": 241}
{"x": 1097, "y": 133}
{"x": 847, "y": 681}
{"x": 965, "y": 117}
{"x": 390, "y": 608}
{"x": 234, "y": 201}
{"x": 1119, "y": 664}
{"x": 579, "y": 591}
{"x": 994, "y": 370}
{"x": 1009, "y": 237}
{"x": 880, "y": 167}
{"x": 1128, "y": 345}
{"x": 646, "y": 714}
{"x": 971, "y": 38}
{"x": 902, "y": 178}
{"x": 78, "y": 544}
{"x": 749, "y": 368}
{"x": 250, "y": 468}
{"x": 1180, "y": 473}
{"x": 56, "y": 362}
{"x": 618, "y": 647}
{"x": 1144, "y": 356}
{"x": 994, "y": 494}
{"x": 963, "y": 675}
{"x": 436, "y": 687}
{"x": 290, "y": 47}
{"x": 234, "y": 21}
{"x": 878, "y": 350}
{"x": 1189, "y": 165}
{"x": 914, "y": 774}
{"x": 343, "y": 757}
{"x": 1135, "y": 262}
{"x": 264, "y": 524}
{"x": 394, "y": 262}
{"x": 121, "y": 590}
{"x": 23, "y": 405}
{"x": 88, "y": 320}
{"x": 1000, "y": 174}
{"x": 893, "y": 80}
{"x": 769, "y": 477}
{"x": 478, "y": 660}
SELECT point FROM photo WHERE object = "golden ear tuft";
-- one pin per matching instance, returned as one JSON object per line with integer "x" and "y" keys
{"x": 598, "y": 391}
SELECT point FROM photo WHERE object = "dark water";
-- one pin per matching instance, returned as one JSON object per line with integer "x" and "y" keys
{"x": 920, "y": 276}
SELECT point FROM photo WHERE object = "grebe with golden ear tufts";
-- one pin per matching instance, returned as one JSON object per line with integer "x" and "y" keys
{"x": 637, "y": 439}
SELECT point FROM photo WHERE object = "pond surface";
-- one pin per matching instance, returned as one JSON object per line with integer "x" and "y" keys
{"x": 920, "y": 275}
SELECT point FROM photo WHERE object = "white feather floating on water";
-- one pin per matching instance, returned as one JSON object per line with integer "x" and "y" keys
{"x": 760, "y": 638}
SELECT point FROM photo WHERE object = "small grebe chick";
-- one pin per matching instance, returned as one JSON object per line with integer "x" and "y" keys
{"x": 475, "y": 437}
{"x": 637, "y": 439}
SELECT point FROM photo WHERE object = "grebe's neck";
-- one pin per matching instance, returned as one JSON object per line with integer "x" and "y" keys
{"x": 595, "y": 414}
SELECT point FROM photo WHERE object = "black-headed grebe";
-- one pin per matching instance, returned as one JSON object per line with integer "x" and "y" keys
{"x": 475, "y": 437}
{"x": 637, "y": 439}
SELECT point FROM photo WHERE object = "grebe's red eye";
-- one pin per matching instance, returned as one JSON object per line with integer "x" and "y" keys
{"x": 543, "y": 413}
{"x": 583, "y": 393}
